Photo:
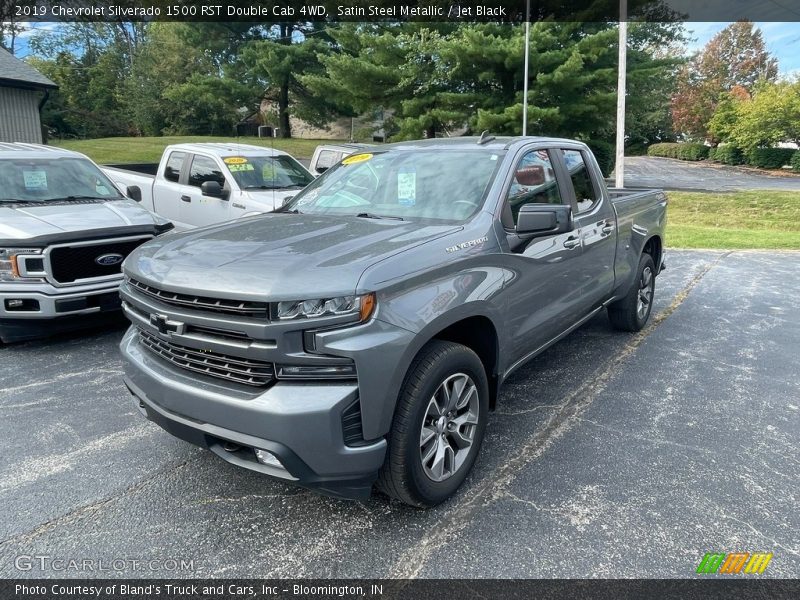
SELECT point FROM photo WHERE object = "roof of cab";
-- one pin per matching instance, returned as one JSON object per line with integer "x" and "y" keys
{"x": 20, "y": 150}
{"x": 468, "y": 142}
{"x": 346, "y": 146}
{"x": 226, "y": 149}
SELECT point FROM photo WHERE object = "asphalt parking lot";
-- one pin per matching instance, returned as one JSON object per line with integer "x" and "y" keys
{"x": 671, "y": 174}
{"x": 611, "y": 455}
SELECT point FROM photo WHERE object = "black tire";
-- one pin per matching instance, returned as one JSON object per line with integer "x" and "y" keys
{"x": 403, "y": 475}
{"x": 627, "y": 314}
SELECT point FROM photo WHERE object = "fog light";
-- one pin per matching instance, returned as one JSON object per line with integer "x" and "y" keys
{"x": 316, "y": 371}
{"x": 22, "y": 304}
{"x": 268, "y": 458}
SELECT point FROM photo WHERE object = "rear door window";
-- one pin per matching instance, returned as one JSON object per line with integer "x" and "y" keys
{"x": 172, "y": 171}
{"x": 326, "y": 159}
{"x": 585, "y": 192}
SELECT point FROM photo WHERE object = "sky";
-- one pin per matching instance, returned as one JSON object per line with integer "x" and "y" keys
{"x": 782, "y": 39}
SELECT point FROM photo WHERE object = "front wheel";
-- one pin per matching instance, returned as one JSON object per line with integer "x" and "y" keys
{"x": 438, "y": 426}
{"x": 632, "y": 312}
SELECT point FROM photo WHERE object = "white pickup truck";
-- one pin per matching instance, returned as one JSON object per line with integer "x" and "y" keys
{"x": 203, "y": 184}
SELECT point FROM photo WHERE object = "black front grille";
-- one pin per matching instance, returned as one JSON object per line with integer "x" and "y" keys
{"x": 70, "y": 263}
{"x": 214, "y": 364}
{"x": 247, "y": 308}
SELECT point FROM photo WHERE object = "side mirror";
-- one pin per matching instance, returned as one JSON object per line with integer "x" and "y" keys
{"x": 536, "y": 220}
{"x": 321, "y": 170}
{"x": 134, "y": 192}
{"x": 213, "y": 189}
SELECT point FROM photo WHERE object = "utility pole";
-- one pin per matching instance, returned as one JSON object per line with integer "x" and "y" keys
{"x": 525, "y": 82}
{"x": 621, "y": 85}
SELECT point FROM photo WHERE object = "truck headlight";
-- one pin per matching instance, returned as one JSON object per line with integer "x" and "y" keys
{"x": 362, "y": 306}
{"x": 9, "y": 265}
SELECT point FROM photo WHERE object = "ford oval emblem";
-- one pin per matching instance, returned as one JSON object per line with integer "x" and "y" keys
{"x": 107, "y": 260}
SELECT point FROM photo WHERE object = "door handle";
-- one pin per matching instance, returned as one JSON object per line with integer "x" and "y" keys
{"x": 607, "y": 229}
{"x": 571, "y": 243}
{"x": 186, "y": 198}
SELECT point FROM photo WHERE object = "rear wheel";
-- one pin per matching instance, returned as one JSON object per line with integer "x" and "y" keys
{"x": 438, "y": 425}
{"x": 632, "y": 312}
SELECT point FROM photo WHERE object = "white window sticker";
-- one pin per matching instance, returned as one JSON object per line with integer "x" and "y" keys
{"x": 407, "y": 187}
{"x": 35, "y": 180}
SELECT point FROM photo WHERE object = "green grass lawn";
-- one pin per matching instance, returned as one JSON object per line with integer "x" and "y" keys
{"x": 737, "y": 220}
{"x": 149, "y": 149}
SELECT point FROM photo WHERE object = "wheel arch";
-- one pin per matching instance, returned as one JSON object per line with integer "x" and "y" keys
{"x": 479, "y": 334}
{"x": 654, "y": 247}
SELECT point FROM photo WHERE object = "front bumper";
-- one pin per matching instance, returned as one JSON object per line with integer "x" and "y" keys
{"x": 46, "y": 308}
{"x": 300, "y": 423}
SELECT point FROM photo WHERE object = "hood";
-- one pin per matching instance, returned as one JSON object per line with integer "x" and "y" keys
{"x": 268, "y": 200}
{"x": 280, "y": 256}
{"x": 30, "y": 221}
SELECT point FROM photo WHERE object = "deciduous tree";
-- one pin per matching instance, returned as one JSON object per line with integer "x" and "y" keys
{"x": 736, "y": 56}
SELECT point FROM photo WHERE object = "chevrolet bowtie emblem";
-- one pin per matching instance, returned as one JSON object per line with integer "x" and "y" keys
{"x": 165, "y": 326}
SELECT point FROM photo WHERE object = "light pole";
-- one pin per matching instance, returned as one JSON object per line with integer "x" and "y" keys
{"x": 525, "y": 82}
{"x": 621, "y": 81}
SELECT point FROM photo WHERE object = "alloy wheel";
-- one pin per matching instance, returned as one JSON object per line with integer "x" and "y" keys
{"x": 449, "y": 426}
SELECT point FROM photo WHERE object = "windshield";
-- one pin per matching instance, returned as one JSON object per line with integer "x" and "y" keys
{"x": 267, "y": 172}
{"x": 426, "y": 184}
{"x": 48, "y": 179}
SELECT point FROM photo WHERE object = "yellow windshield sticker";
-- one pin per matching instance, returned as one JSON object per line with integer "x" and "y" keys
{"x": 234, "y": 160}
{"x": 356, "y": 158}
{"x": 240, "y": 167}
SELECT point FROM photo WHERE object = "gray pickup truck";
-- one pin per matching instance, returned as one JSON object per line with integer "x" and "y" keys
{"x": 360, "y": 334}
{"x": 64, "y": 231}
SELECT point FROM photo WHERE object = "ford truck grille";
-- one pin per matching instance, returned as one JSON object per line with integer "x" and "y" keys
{"x": 213, "y": 364}
{"x": 71, "y": 263}
{"x": 247, "y": 308}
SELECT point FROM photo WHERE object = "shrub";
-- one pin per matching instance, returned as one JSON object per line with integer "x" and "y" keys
{"x": 679, "y": 151}
{"x": 665, "y": 150}
{"x": 728, "y": 155}
{"x": 636, "y": 149}
{"x": 692, "y": 151}
{"x": 795, "y": 162}
{"x": 605, "y": 155}
{"x": 769, "y": 158}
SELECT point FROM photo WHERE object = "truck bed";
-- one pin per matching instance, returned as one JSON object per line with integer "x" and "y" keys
{"x": 639, "y": 211}
{"x": 141, "y": 168}
{"x": 124, "y": 178}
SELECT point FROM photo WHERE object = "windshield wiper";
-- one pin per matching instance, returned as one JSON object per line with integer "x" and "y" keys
{"x": 283, "y": 209}
{"x": 272, "y": 187}
{"x": 56, "y": 199}
{"x": 81, "y": 197}
{"x": 366, "y": 215}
